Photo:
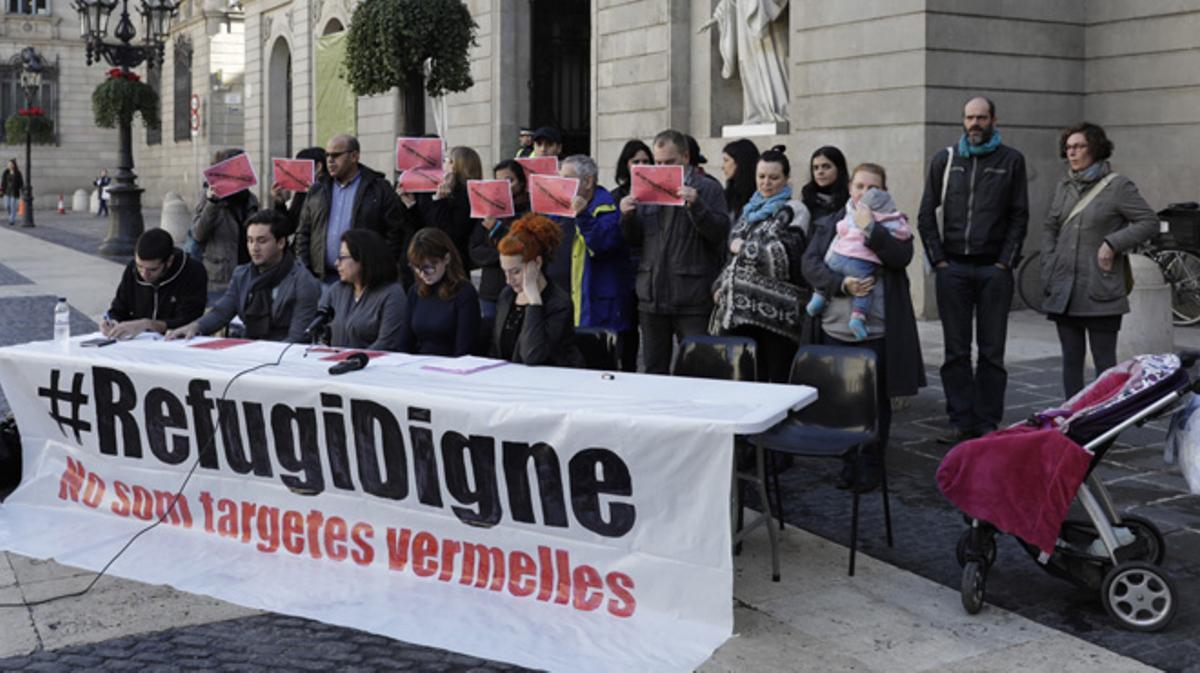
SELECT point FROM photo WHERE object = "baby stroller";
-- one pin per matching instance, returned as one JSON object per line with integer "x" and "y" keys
{"x": 1021, "y": 480}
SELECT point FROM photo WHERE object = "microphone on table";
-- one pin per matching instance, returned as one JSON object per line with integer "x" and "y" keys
{"x": 353, "y": 362}
{"x": 324, "y": 317}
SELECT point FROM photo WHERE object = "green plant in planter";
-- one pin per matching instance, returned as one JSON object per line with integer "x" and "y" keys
{"x": 31, "y": 121}
{"x": 122, "y": 95}
{"x": 390, "y": 39}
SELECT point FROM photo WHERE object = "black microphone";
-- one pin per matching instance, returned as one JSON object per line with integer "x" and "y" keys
{"x": 353, "y": 362}
{"x": 324, "y": 316}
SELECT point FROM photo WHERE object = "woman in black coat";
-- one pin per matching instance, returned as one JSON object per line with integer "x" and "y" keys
{"x": 535, "y": 319}
{"x": 893, "y": 339}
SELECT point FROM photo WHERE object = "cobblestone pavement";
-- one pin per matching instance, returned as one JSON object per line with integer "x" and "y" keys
{"x": 927, "y": 527}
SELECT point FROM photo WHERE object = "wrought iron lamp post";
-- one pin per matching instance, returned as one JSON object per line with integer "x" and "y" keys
{"x": 125, "y": 197}
{"x": 31, "y": 82}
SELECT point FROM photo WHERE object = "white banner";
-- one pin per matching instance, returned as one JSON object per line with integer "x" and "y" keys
{"x": 461, "y": 507}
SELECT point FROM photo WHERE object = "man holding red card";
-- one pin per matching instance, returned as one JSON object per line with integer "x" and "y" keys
{"x": 593, "y": 261}
{"x": 349, "y": 197}
{"x": 682, "y": 253}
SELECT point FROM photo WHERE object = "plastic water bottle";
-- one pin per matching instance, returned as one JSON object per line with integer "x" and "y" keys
{"x": 62, "y": 322}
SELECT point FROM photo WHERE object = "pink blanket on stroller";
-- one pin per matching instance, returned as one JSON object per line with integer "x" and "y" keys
{"x": 1020, "y": 479}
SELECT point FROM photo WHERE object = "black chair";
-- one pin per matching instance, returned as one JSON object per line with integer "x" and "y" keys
{"x": 710, "y": 357}
{"x": 839, "y": 424}
{"x": 733, "y": 359}
{"x": 599, "y": 346}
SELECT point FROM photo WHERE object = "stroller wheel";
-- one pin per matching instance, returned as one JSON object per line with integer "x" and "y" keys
{"x": 1140, "y": 596}
{"x": 1145, "y": 530}
{"x": 964, "y": 541}
{"x": 974, "y": 585}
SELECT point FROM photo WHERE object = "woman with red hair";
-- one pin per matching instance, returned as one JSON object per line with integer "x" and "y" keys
{"x": 534, "y": 318}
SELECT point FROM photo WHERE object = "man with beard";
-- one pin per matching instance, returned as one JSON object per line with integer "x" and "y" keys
{"x": 972, "y": 221}
{"x": 161, "y": 289}
{"x": 274, "y": 295}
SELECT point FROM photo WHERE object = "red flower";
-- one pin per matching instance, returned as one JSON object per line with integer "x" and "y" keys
{"x": 132, "y": 76}
{"x": 115, "y": 72}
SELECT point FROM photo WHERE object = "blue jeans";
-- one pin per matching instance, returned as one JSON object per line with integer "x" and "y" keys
{"x": 855, "y": 268}
{"x": 10, "y": 204}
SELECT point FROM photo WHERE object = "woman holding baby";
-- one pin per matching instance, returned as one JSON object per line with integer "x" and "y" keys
{"x": 855, "y": 262}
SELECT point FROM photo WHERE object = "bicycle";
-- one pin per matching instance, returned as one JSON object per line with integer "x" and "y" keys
{"x": 1180, "y": 269}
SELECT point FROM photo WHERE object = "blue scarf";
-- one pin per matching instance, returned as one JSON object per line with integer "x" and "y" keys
{"x": 760, "y": 207}
{"x": 966, "y": 149}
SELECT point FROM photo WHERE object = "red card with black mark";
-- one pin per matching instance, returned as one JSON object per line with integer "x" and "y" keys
{"x": 539, "y": 165}
{"x": 296, "y": 175}
{"x": 656, "y": 185}
{"x": 220, "y": 344}
{"x": 231, "y": 176}
{"x": 416, "y": 180}
{"x": 418, "y": 153}
{"x": 551, "y": 195}
{"x": 490, "y": 198}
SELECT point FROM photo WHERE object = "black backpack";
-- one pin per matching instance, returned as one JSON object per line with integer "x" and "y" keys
{"x": 10, "y": 455}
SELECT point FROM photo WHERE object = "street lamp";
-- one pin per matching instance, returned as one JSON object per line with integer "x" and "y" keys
{"x": 125, "y": 197}
{"x": 31, "y": 82}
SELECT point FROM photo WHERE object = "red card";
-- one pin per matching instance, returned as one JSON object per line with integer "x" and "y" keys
{"x": 657, "y": 185}
{"x": 418, "y": 153}
{"x": 338, "y": 357}
{"x": 416, "y": 180}
{"x": 490, "y": 198}
{"x": 231, "y": 176}
{"x": 294, "y": 174}
{"x": 539, "y": 165}
{"x": 551, "y": 195}
{"x": 220, "y": 344}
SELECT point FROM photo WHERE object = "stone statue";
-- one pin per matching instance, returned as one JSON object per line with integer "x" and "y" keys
{"x": 752, "y": 39}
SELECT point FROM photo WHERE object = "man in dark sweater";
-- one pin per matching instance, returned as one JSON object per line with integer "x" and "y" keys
{"x": 161, "y": 289}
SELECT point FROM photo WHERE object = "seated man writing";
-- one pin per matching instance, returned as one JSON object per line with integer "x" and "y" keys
{"x": 161, "y": 289}
{"x": 274, "y": 295}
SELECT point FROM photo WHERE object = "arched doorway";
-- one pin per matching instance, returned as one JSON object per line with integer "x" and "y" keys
{"x": 279, "y": 100}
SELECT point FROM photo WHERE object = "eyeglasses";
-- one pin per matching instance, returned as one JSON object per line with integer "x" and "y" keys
{"x": 424, "y": 269}
{"x": 1075, "y": 148}
{"x": 342, "y": 258}
{"x": 335, "y": 155}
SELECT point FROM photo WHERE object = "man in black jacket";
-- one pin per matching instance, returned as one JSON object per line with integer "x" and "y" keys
{"x": 682, "y": 253}
{"x": 161, "y": 289}
{"x": 985, "y": 212}
{"x": 350, "y": 196}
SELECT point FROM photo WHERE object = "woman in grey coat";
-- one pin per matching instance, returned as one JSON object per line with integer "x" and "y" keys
{"x": 369, "y": 304}
{"x": 1096, "y": 218}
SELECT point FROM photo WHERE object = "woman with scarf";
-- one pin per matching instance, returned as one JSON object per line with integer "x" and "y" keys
{"x": 761, "y": 293}
{"x": 828, "y": 186}
{"x": 1096, "y": 217}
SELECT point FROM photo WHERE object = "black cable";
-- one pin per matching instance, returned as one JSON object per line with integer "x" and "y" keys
{"x": 167, "y": 513}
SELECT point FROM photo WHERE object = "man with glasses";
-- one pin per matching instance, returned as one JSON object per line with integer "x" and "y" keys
{"x": 974, "y": 244}
{"x": 350, "y": 196}
{"x": 161, "y": 289}
{"x": 275, "y": 297}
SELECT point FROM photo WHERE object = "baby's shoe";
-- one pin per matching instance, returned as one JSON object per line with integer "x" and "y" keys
{"x": 815, "y": 305}
{"x": 858, "y": 326}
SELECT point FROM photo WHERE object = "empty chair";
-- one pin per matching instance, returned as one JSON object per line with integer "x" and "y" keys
{"x": 839, "y": 424}
{"x": 599, "y": 347}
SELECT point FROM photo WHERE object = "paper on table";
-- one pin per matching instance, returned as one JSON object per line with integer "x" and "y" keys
{"x": 465, "y": 365}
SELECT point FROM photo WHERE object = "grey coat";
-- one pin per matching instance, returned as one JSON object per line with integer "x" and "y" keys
{"x": 1075, "y": 284}
{"x": 293, "y": 303}
{"x": 376, "y": 321}
{"x": 220, "y": 226}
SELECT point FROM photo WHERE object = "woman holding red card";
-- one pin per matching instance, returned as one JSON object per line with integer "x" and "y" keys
{"x": 485, "y": 237}
{"x": 450, "y": 208}
{"x": 219, "y": 227}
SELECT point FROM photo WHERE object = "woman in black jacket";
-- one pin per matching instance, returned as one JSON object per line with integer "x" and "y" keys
{"x": 450, "y": 208}
{"x": 534, "y": 318}
{"x": 10, "y": 186}
{"x": 485, "y": 237}
{"x": 828, "y": 186}
{"x": 893, "y": 337}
